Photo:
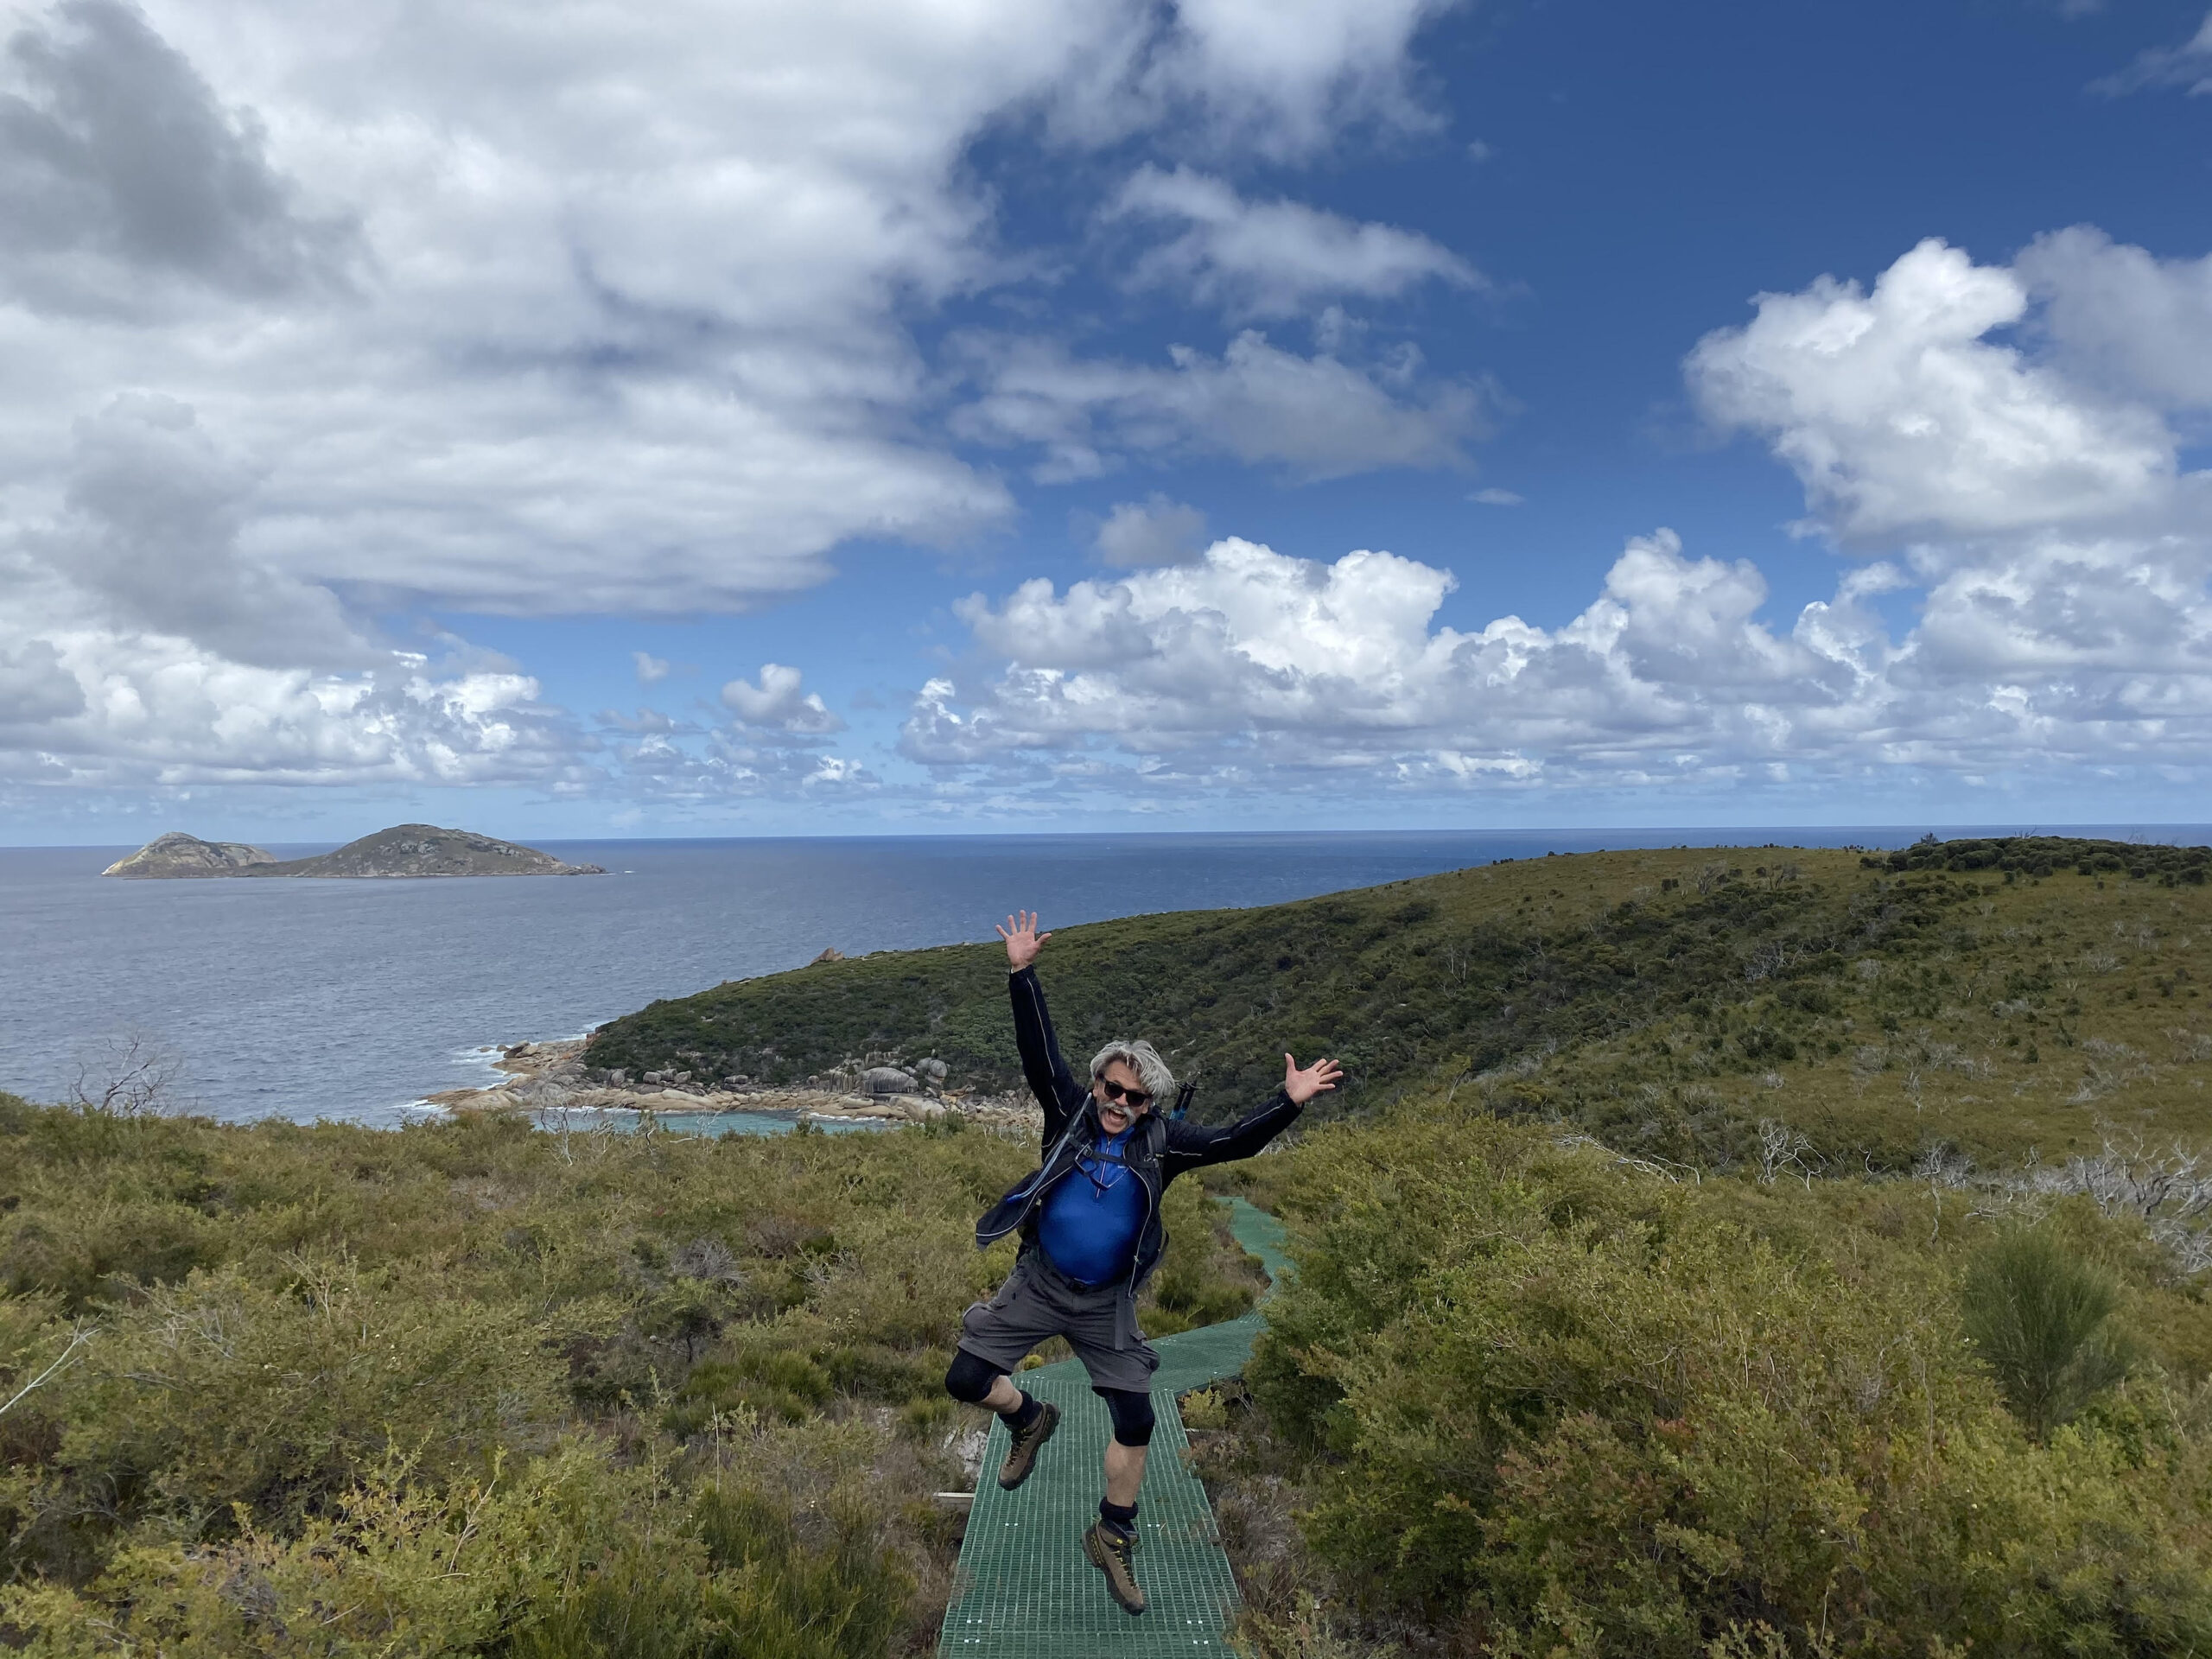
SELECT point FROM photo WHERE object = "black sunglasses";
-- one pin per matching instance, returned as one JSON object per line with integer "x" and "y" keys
{"x": 1133, "y": 1096}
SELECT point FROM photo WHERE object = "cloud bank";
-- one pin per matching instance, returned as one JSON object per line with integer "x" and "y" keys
{"x": 306, "y": 320}
{"x": 1993, "y": 439}
{"x": 310, "y": 322}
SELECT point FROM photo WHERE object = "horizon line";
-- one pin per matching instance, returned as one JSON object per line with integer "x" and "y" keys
{"x": 2115, "y": 830}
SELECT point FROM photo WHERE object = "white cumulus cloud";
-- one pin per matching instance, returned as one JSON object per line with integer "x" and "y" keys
{"x": 1275, "y": 258}
{"x": 1316, "y": 418}
{"x": 1152, "y": 531}
{"x": 143, "y": 643}
{"x": 1903, "y": 420}
{"x": 1256, "y": 667}
{"x": 2033, "y": 482}
{"x": 2121, "y": 320}
{"x": 134, "y": 709}
{"x": 1278, "y": 77}
{"x": 543, "y": 311}
{"x": 308, "y": 318}
{"x": 778, "y": 704}
{"x": 2188, "y": 66}
{"x": 1252, "y": 672}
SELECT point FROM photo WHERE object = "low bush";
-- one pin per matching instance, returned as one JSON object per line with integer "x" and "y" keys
{"x": 1552, "y": 1403}
{"x": 573, "y": 1556}
{"x": 2040, "y": 1316}
{"x": 464, "y": 1389}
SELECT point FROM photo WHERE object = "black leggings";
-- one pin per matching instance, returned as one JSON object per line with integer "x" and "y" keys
{"x": 970, "y": 1379}
{"x": 1132, "y": 1412}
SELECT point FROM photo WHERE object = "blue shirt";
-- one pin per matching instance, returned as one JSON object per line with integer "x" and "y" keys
{"x": 1089, "y": 1222}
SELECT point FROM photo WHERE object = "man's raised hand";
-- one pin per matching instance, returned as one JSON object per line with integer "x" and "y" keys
{"x": 1301, "y": 1086}
{"x": 1023, "y": 941}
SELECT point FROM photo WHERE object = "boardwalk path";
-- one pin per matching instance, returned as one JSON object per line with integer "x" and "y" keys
{"x": 1028, "y": 1593}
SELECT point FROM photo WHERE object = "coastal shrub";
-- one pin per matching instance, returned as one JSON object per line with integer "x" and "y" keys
{"x": 570, "y": 1554}
{"x": 2040, "y": 1316}
{"x": 839, "y": 1597}
{"x": 220, "y": 1398}
{"x": 877, "y": 1371}
{"x": 767, "y": 1381}
{"x": 1228, "y": 991}
{"x": 396, "y": 1564}
{"x": 469, "y": 1388}
{"x": 1669, "y": 1002}
{"x": 731, "y": 1579}
{"x": 1553, "y": 1403}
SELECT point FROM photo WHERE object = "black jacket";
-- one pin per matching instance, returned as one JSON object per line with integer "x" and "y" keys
{"x": 1161, "y": 1148}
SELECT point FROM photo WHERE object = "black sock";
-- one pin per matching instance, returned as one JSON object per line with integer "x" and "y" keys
{"x": 1023, "y": 1414}
{"x": 1122, "y": 1517}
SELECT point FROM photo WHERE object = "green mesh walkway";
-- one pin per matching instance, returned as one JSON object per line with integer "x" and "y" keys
{"x": 1027, "y": 1591}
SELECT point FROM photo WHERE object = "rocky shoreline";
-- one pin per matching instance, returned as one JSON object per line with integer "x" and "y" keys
{"x": 551, "y": 1077}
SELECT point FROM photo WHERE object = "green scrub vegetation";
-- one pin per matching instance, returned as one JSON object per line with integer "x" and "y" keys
{"x": 475, "y": 1388}
{"x": 1979, "y": 1000}
{"x": 1524, "y": 1397}
{"x": 1724, "y": 1255}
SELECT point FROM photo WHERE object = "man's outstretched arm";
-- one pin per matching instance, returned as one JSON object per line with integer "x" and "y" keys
{"x": 1047, "y": 1073}
{"x": 1191, "y": 1145}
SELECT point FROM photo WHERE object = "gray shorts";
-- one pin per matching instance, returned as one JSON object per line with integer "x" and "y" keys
{"x": 1039, "y": 1302}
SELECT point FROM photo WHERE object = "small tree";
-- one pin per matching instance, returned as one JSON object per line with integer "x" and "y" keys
{"x": 127, "y": 1075}
{"x": 2038, "y": 1315}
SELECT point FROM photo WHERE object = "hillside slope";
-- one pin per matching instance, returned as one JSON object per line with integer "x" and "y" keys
{"x": 1987, "y": 997}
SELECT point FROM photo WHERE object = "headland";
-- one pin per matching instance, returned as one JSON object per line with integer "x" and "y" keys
{"x": 542, "y": 1077}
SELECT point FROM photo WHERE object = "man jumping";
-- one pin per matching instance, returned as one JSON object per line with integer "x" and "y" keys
{"x": 1090, "y": 1236}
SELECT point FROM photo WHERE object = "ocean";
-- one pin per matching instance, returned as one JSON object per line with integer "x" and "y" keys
{"x": 351, "y": 999}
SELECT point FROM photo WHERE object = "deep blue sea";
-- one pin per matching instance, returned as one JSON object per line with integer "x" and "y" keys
{"x": 308, "y": 999}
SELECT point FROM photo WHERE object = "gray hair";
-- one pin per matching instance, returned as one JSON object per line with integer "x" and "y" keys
{"x": 1141, "y": 1058}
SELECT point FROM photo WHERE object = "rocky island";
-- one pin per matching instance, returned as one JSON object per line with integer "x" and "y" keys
{"x": 175, "y": 856}
{"x": 406, "y": 849}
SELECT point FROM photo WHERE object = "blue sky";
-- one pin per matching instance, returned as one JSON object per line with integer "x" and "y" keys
{"x": 994, "y": 417}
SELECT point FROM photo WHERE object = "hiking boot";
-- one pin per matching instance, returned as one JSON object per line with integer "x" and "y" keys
{"x": 1021, "y": 1454}
{"x": 1114, "y": 1553}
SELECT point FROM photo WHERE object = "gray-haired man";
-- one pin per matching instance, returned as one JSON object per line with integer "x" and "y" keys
{"x": 1090, "y": 1236}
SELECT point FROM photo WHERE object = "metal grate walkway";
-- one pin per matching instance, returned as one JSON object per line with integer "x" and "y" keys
{"x": 1027, "y": 1591}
